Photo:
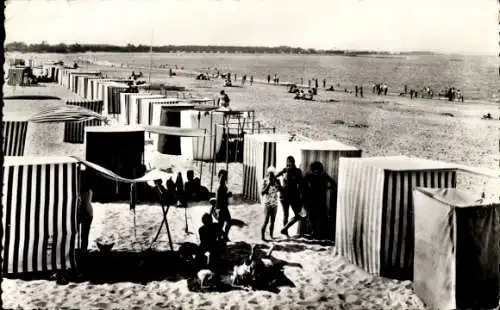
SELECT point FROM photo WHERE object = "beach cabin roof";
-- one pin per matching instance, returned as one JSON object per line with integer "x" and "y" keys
{"x": 176, "y": 131}
{"x": 114, "y": 128}
{"x": 37, "y": 160}
{"x": 402, "y": 163}
{"x": 455, "y": 197}
{"x": 199, "y": 107}
{"x": 177, "y": 107}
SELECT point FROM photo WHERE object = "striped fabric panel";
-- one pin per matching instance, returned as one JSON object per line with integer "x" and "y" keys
{"x": 14, "y": 137}
{"x": 330, "y": 161}
{"x": 249, "y": 169}
{"x": 258, "y": 156}
{"x": 359, "y": 212}
{"x": 113, "y": 95}
{"x": 398, "y": 231}
{"x": 40, "y": 218}
{"x": 74, "y": 132}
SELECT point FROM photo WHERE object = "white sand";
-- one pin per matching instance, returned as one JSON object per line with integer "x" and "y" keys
{"x": 326, "y": 280}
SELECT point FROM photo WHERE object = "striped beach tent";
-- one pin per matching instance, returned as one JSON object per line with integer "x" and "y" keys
{"x": 375, "y": 227}
{"x": 151, "y": 108}
{"x": 456, "y": 249}
{"x": 126, "y": 107}
{"x": 40, "y": 197}
{"x": 327, "y": 152}
{"x": 136, "y": 108}
{"x": 259, "y": 152}
{"x": 74, "y": 132}
{"x": 15, "y": 76}
{"x": 113, "y": 97}
{"x": 14, "y": 137}
{"x": 193, "y": 148}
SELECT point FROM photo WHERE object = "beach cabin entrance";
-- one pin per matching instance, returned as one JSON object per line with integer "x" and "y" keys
{"x": 119, "y": 149}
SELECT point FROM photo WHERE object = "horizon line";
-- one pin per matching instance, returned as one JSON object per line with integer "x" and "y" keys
{"x": 306, "y": 50}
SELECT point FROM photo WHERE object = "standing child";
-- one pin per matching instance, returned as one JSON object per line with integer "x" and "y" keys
{"x": 86, "y": 214}
{"x": 222, "y": 205}
{"x": 270, "y": 192}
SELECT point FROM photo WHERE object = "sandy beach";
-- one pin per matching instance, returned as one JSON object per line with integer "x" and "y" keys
{"x": 317, "y": 278}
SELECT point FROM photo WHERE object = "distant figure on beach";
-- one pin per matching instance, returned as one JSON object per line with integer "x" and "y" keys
{"x": 411, "y": 93}
{"x": 406, "y": 89}
{"x": 270, "y": 194}
{"x": 356, "y": 90}
{"x": 222, "y": 206}
{"x": 243, "y": 79}
{"x": 291, "y": 194}
{"x": 309, "y": 83}
{"x": 251, "y": 80}
{"x": 268, "y": 78}
{"x": 316, "y": 83}
{"x": 324, "y": 83}
{"x": 361, "y": 91}
{"x": 223, "y": 99}
{"x": 86, "y": 214}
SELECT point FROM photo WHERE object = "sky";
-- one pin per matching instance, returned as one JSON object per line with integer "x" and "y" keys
{"x": 449, "y": 26}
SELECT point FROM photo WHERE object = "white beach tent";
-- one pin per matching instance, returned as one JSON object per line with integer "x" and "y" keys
{"x": 259, "y": 153}
{"x": 40, "y": 196}
{"x": 456, "y": 249}
{"x": 204, "y": 119}
{"x": 374, "y": 227}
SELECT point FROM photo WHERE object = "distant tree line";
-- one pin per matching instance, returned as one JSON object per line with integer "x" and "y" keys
{"x": 62, "y": 48}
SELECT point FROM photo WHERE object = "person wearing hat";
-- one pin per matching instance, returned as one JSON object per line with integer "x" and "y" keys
{"x": 270, "y": 192}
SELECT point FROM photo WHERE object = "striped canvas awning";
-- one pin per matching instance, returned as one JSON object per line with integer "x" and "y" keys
{"x": 375, "y": 228}
{"x": 74, "y": 132}
{"x": 259, "y": 153}
{"x": 40, "y": 196}
{"x": 456, "y": 249}
{"x": 67, "y": 113}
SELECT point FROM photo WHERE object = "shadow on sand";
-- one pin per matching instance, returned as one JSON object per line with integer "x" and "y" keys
{"x": 151, "y": 265}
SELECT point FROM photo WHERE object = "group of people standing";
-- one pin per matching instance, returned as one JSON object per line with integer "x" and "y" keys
{"x": 307, "y": 196}
{"x": 276, "y": 79}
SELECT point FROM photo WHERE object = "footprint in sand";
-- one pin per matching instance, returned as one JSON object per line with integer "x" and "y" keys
{"x": 40, "y": 303}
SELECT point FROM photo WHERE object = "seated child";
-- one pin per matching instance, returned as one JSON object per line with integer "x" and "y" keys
{"x": 210, "y": 241}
